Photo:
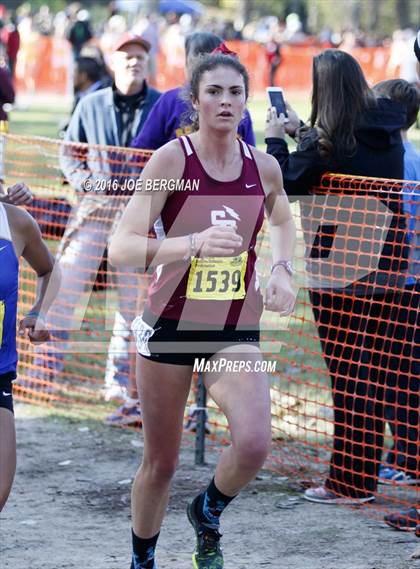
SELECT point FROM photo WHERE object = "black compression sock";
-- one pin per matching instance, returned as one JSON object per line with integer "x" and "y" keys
{"x": 211, "y": 504}
{"x": 143, "y": 552}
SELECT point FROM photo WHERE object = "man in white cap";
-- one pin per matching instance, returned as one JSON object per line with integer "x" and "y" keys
{"x": 108, "y": 117}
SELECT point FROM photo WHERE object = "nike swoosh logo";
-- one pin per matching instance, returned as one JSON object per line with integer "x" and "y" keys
{"x": 4, "y": 247}
{"x": 247, "y": 186}
{"x": 6, "y": 394}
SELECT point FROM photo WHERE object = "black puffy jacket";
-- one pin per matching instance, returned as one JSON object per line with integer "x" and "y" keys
{"x": 379, "y": 154}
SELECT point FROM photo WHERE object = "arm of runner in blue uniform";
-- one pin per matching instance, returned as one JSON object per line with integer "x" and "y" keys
{"x": 31, "y": 247}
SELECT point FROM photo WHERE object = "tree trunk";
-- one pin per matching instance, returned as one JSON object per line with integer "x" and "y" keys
{"x": 403, "y": 13}
{"x": 152, "y": 6}
{"x": 313, "y": 17}
{"x": 373, "y": 15}
{"x": 356, "y": 13}
{"x": 243, "y": 10}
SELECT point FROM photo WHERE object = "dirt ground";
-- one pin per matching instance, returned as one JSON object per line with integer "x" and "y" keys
{"x": 70, "y": 509}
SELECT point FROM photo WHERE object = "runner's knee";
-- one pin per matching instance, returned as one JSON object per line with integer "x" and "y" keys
{"x": 160, "y": 469}
{"x": 252, "y": 450}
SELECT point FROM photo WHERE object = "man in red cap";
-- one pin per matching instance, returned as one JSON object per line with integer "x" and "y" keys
{"x": 107, "y": 117}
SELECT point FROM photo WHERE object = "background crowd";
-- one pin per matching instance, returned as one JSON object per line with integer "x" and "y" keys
{"x": 98, "y": 24}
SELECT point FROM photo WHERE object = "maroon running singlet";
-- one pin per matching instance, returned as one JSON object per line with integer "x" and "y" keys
{"x": 212, "y": 290}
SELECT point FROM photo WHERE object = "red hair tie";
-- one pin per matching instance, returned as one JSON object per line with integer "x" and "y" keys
{"x": 222, "y": 48}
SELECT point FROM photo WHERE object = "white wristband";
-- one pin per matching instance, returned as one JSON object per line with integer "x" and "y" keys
{"x": 192, "y": 239}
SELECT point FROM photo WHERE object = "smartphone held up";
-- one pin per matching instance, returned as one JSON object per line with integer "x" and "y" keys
{"x": 275, "y": 95}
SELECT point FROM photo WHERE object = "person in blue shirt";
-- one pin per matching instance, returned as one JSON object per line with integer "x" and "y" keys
{"x": 19, "y": 236}
{"x": 402, "y": 464}
{"x": 172, "y": 115}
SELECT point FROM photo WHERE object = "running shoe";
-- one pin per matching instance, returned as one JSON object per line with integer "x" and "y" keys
{"x": 416, "y": 552}
{"x": 146, "y": 565}
{"x": 418, "y": 531}
{"x": 207, "y": 554}
{"x": 407, "y": 520}
{"x": 125, "y": 416}
{"x": 389, "y": 475}
{"x": 323, "y": 495}
{"x": 114, "y": 392}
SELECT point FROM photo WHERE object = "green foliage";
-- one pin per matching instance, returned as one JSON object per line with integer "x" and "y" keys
{"x": 54, "y": 5}
{"x": 256, "y": 8}
{"x": 379, "y": 16}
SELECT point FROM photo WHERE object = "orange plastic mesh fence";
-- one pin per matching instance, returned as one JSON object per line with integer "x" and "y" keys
{"x": 345, "y": 386}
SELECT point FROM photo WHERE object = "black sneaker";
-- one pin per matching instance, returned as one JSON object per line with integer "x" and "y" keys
{"x": 207, "y": 554}
{"x": 405, "y": 521}
{"x": 151, "y": 564}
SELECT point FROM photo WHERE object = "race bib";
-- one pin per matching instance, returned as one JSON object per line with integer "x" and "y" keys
{"x": 1, "y": 321}
{"x": 217, "y": 278}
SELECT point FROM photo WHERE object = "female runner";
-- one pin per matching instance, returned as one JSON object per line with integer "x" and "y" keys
{"x": 204, "y": 301}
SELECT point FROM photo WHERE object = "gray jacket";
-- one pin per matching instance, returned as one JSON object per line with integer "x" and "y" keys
{"x": 94, "y": 122}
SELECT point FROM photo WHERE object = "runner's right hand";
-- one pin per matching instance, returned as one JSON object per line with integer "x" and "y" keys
{"x": 218, "y": 241}
{"x": 37, "y": 333}
{"x": 19, "y": 194}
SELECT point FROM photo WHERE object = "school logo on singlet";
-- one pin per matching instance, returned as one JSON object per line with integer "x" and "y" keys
{"x": 226, "y": 217}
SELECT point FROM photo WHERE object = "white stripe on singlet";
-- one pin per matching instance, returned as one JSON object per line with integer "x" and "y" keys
{"x": 4, "y": 224}
{"x": 160, "y": 234}
{"x": 187, "y": 145}
{"x": 246, "y": 149}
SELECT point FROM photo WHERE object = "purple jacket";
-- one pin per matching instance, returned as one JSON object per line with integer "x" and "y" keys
{"x": 7, "y": 93}
{"x": 164, "y": 122}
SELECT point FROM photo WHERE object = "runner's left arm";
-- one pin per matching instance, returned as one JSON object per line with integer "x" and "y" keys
{"x": 280, "y": 296}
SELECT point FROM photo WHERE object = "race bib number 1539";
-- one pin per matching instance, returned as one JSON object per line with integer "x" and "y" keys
{"x": 217, "y": 278}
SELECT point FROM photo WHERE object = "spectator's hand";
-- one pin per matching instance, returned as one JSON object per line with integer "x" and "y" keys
{"x": 19, "y": 194}
{"x": 279, "y": 295}
{"x": 293, "y": 123}
{"x": 275, "y": 125}
{"x": 278, "y": 126}
{"x": 28, "y": 324}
